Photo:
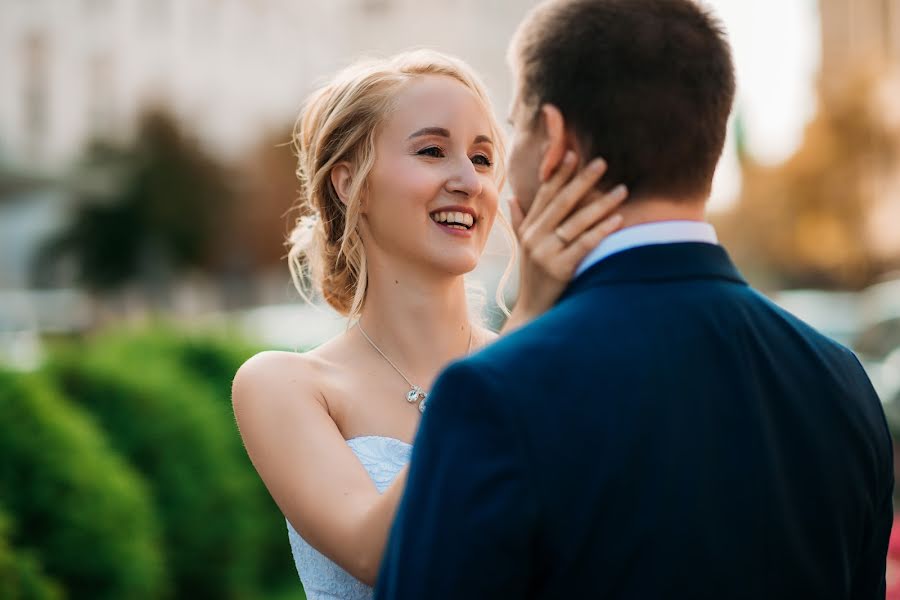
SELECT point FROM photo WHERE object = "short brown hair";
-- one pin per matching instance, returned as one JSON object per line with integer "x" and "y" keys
{"x": 646, "y": 84}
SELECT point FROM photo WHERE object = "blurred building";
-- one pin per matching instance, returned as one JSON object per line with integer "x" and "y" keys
{"x": 77, "y": 69}
{"x": 863, "y": 37}
{"x": 233, "y": 72}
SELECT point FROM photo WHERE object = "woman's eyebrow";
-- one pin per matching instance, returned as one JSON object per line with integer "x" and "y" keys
{"x": 441, "y": 132}
{"x": 438, "y": 131}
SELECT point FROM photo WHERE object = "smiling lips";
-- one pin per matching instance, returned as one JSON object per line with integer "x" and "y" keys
{"x": 454, "y": 219}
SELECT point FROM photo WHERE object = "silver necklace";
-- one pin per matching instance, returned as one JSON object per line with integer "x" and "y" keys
{"x": 415, "y": 394}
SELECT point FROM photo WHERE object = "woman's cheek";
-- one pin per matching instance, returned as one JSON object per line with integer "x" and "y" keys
{"x": 486, "y": 225}
{"x": 422, "y": 185}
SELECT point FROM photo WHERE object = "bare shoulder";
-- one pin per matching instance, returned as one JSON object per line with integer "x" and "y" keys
{"x": 272, "y": 377}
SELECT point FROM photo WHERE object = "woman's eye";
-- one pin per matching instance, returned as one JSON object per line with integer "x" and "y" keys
{"x": 432, "y": 151}
{"x": 481, "y": 159}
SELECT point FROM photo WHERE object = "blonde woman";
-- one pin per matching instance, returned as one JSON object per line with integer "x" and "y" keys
{"x": 401, "y": 165}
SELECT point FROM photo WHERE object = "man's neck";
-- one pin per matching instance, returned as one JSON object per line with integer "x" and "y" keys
{"x": 652, "y": 221}
{"x": 653, "y": 210}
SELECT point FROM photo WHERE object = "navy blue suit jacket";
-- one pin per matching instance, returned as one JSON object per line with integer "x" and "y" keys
{"x": 663, "y": 432}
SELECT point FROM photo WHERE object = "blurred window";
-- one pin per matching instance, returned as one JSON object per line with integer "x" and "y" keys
{"x": 97, "y": 7}
{"x": 35, "y": 92}
{"x": 376, "y": 6}
{"x": 155, "y": 14}
{"x": 206, "y": 19}
{"x": 100, "y": 105}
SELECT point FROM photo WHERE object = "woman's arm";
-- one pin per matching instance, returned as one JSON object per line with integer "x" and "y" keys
{"x": 298, "y": 451}
{"x": 547, "y": 262}
{"x": 307, "y": 466}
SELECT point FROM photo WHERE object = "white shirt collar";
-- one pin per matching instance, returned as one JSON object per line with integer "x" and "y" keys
{"x": 662, "y": 232}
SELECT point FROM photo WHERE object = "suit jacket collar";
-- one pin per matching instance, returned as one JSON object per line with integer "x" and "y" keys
{"x": 659, "y": 262}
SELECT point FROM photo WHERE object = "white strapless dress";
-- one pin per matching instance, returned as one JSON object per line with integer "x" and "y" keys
{"x": 383, "y": 458}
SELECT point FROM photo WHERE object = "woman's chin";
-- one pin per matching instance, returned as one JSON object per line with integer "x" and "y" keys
{"x": 456, "y": 263}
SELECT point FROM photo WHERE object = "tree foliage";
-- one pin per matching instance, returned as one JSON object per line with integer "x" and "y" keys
{"x": 144, "y": 211}
{"x": 804, "y": 222}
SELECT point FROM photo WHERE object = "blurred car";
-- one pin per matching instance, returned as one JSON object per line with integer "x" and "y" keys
{"x": 836, "y": 314}
{"x": 866, "y": 321}
{"x": 878, "y": 342}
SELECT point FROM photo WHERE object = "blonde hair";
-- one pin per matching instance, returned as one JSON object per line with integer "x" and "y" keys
{"x": 339, "y": 123}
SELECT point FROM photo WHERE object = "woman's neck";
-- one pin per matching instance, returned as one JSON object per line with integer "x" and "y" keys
{"x": 420, "y": 323}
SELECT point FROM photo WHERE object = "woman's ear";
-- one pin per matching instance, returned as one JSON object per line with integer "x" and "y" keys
{"x": 556, "y": 140}
{"x": 341, "y": 180}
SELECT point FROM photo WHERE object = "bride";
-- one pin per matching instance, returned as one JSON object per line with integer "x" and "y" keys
{"x": 401, "y": 164}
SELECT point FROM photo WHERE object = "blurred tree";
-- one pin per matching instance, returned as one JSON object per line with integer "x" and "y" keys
{"x": 145, "y": 211}
{"x": 79, "y": 509}
{"x": 804, "y": 223}
{"x": 259, "y": 223}
{"x": 22, "y": 577}
{"x": 222, "y": 533}
{"x": 256, "y": 228}
{"x": 211, "y": 361}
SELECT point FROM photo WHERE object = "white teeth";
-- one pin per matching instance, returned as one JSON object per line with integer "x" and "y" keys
{"x": 459, "y": 220}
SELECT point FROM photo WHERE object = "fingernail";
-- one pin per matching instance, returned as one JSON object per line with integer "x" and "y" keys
{"x": 598, "y": 164}
{"x": 620, "y": 190}
{"x": 616, "y": 218}
{"x": 569, "y": 158}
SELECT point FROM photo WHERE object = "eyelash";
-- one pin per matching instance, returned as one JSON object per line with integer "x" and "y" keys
{"x": 425, "y": 152}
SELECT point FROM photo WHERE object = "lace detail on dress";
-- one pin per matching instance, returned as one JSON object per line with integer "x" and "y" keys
{"x": 383, "y": 458}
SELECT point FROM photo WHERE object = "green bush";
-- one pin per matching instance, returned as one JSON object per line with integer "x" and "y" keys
{"x": 78, "y": 508}
{"x": 212, "y": 360}
{"x": 21, "y": 575}
{"x": 151, "y": 395}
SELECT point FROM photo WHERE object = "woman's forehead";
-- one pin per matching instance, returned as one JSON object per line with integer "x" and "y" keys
{"x": 439, "y": 101}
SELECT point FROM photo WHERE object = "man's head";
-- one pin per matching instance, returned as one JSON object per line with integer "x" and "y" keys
{"x": 645, "y": 84}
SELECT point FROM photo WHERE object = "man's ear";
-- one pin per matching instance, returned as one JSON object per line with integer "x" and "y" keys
{"x": 342, "y": 180}
{"x": 556, "y": 141}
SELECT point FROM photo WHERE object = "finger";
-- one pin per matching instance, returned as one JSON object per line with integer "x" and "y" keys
{"x": 581, "y": 247}
{"x": 599, "y": 207}
{"x": 515, "y": 214}
{"x": 571, "y": 194}
{"x": 548, "y": 190}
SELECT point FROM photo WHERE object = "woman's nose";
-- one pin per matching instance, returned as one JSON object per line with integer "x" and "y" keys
{"x": 465, "y": 179}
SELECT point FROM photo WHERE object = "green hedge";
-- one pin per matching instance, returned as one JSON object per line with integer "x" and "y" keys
{"x": 22, "y": 577}
{"x": 79, "y": 509}
{"x": 164, "y": 401}
{"x": 212, "y": 360}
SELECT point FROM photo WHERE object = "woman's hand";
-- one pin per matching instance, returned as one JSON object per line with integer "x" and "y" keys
{"x": 554, "y": 237}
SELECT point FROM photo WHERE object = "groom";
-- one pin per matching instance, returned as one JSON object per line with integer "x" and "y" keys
{"x": 664, "y": 431}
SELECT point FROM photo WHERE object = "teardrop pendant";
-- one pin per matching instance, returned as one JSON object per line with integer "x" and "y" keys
{"x": 412, "y": 396}
{"x": 416, "y": 394}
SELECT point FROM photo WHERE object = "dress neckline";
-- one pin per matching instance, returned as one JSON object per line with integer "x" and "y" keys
{"x": 380, "y": 437}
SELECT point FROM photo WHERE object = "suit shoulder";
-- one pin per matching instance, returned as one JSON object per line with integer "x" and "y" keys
{"x": 824, "y": 342}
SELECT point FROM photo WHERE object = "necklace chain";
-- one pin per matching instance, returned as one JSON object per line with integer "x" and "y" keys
{"x": 416, "y": 393}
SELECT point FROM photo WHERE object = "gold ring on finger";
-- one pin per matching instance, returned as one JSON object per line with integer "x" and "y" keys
{"x": 566, "y": 241}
